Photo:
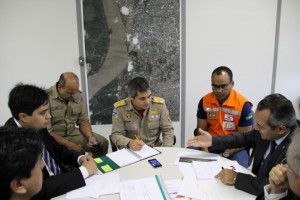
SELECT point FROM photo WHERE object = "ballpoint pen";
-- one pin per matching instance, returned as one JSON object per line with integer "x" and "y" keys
{"x": 137, "y": 137}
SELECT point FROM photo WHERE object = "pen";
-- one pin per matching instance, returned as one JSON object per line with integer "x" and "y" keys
{"x": 137, "y": 137}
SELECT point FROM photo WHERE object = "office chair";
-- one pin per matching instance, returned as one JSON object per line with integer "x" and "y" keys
{"x": 113, "y": 146}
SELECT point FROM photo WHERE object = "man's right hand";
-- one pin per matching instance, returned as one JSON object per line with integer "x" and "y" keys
{"x": 135, "y": 145}
{"x": 202, "y": 140}
{"x": 278, "y": 179}
{"x": 89, "y": 163}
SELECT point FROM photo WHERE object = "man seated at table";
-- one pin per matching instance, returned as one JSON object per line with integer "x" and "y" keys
{"x": 68, "y": 111}
{"x": 225, "y": 111}
{"x": 275, "y": 124}
{"x": 29, "y": 106}
{"x": 141, "y": 118}
{"x": 21, "y": 165}
{"x": 285, "y": 178}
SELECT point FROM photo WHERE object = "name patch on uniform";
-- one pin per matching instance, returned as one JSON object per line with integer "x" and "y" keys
{"x": 228, "y": 125}
{"x": 228, "y": 117}
{"x": 114, "y": 114}
{"x": 212, "y": 115}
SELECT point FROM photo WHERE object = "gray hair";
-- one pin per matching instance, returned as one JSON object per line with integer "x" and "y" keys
{"x": 293, "y": 153}
{"x": 282, "y": 111}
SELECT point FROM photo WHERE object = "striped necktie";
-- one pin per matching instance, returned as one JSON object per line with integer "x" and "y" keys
{"x": 50, "y": 162}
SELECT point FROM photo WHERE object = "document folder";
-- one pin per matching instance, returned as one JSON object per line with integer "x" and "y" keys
{"x": 123, "y": 157}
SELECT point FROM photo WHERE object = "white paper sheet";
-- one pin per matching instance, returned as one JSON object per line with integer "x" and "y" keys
{"x": 141, "y": 189}
{"x": 97, "y": 185}
{"x": 211, "y": 190}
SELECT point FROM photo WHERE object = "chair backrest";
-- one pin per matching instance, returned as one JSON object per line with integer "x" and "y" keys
{"x": 174, "y": 141}
{"x": 113, "y": 146}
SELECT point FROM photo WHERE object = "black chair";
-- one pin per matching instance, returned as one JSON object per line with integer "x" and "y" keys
{"x": 113, "y": 146}
{"x": 174, "y": 141}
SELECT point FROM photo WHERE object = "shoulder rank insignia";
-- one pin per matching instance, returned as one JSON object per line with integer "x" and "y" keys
{"x": 158, "y": 100}
{"x": 119, "y": 103}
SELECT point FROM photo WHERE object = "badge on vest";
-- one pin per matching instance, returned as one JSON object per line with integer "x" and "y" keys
{"x": 228, "y": 118}
{"x": 212, "y": 115}
{"x": 228, "y": 125}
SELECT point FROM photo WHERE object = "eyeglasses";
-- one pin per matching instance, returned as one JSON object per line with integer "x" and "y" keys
{"x": 284, "y": 164}
{"x": 220, "y": 86}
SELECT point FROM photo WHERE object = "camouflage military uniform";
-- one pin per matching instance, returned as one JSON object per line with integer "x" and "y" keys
{"x": 126, "y": 122}
{"x": 65, "y": 117}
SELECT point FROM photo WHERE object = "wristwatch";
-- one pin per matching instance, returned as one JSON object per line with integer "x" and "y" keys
{"x": 225, "y": 154}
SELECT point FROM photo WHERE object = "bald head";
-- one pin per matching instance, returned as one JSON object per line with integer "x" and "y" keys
{"x": 68, "y": 85}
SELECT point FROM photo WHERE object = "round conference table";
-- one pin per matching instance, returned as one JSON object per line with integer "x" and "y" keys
{"x": 142, "y": 169}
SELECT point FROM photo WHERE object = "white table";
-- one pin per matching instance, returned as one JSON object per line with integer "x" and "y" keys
{"x": 143, "y": 169}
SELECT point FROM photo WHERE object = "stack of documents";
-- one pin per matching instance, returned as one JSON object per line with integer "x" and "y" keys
{"x": 199, "y": 170}
{"x": 123, "y": 157}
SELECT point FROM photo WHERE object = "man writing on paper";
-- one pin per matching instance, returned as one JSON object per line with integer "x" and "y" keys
{"x": 275, "y": 124}
{"x": 141, "y": 118}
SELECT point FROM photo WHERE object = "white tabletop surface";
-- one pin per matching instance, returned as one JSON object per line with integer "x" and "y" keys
{"x": 143, "y": 169}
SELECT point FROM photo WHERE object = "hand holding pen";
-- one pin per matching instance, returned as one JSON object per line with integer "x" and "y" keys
{"x": 136, "y": 144}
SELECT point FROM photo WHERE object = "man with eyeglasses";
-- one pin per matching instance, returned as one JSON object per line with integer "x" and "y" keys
{"x": 285, "y": 177}
{"x": 276, "y": 123}
{"x": 225, "y": 111}
{"x": 68, "y": 110}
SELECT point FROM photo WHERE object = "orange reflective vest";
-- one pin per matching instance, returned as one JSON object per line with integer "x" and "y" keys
{"x": 224, "y": 119}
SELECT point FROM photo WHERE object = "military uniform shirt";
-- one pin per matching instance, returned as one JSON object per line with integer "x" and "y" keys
{"x": 126, "y": 122}
{"x": 65, "y": 115}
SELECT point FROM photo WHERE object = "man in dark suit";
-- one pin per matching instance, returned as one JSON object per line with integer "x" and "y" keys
{"x": 275, "y": 124}
{"x": 30, "y": 108}
{"x": 286, "y": 175}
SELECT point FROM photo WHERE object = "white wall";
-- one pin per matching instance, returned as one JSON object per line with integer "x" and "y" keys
{"x": 238, "y": 34}
{"x": 39, "y": 41}
{"x": 288, "y": 69}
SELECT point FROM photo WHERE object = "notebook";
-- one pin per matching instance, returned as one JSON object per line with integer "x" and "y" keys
{"x": 123, "y": 157}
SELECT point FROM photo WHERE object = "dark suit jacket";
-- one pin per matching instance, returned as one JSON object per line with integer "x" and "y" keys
{"x": 60, "y": 184}
{"x": 252, "y": 139}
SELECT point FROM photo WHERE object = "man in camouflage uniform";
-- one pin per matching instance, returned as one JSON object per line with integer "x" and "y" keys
{"x": 141, "y": 119}
{"x": 68, "y": 110}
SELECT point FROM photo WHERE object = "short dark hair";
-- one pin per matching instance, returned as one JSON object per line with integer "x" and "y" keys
{"x": 282, "y": 111}
{"x": 138, "y": 84}
{"x": 26, "y": 98}
{"x": 219, "y": 70}
{"x": 19, "y": 151}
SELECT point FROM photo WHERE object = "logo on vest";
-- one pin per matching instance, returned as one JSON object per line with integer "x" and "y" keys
{"x": 228, "y": 117}
{"x": 212, "y": 115}
{"x": 228, "y": 125}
